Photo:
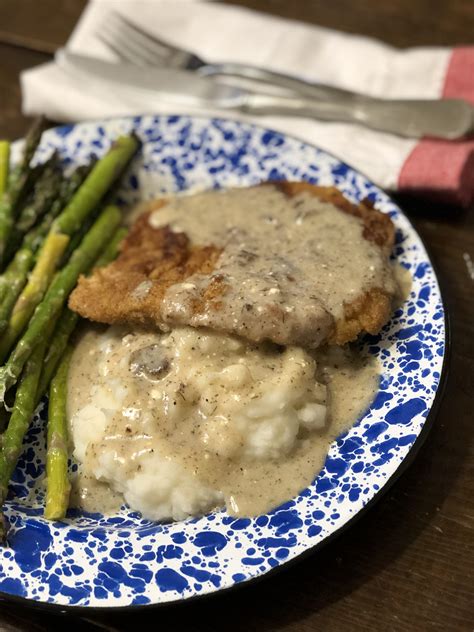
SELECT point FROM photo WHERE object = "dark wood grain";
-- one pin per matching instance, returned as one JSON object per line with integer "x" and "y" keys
{"x": 41, "y": 25}
{"x": 408, "y": 563}
{"x": 400, "y": 22}
{"x": 14, "y": 60}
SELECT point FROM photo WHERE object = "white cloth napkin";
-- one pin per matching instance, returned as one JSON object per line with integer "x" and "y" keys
{"x": 227, "y": 33}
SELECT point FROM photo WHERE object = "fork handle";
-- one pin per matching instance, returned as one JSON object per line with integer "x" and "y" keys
{"x": 449, "y": 118}
{"x": 260, "y": 75}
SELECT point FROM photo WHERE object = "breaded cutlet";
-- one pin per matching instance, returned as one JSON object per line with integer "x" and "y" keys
{"x": 154, "y": 259}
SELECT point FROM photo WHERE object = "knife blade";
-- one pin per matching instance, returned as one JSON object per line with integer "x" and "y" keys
{"x": 447, "y": 118}
{"x": 177, "y": 86}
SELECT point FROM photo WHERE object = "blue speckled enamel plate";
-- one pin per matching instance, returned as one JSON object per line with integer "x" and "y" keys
{"x": 121, "y": 560}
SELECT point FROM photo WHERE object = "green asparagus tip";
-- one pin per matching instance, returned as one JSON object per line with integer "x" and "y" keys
{"x": 104, "y": 173}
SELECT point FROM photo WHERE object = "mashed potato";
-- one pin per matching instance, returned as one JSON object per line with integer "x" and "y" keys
{"x": 171, "y": 420}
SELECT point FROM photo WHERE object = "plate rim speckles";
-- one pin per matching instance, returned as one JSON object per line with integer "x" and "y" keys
{"x": 87, "y": 564}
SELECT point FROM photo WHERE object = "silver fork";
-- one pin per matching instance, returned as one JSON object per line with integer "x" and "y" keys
{"x": 446, "y": 118}
{"x": 131, "y": 43}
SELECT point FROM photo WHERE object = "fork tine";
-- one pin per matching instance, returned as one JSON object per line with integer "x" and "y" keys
{"x": 155, "y": 44}
{"x": 121, "y": 50}
{"x": 125, "y": 48}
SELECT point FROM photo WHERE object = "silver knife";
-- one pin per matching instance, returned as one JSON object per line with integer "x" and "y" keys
{"x": 448, "y": 118}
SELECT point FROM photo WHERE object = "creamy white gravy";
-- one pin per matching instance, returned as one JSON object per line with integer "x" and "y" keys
{"x": 93, "y": 495}
{"x": 199, "y": 401}
{"x": 289, "y": 264}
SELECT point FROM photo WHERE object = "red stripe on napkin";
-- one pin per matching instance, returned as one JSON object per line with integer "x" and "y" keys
{"x": 459, "y": 82}
{"x": 445, "y": 169}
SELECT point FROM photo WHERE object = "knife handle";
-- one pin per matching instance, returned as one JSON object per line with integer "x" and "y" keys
{"x": 261, "y": 76}
{"x": 447, "y": 118}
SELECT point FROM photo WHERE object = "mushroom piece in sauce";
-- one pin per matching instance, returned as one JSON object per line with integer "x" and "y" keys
{"x": 149, "y": 362}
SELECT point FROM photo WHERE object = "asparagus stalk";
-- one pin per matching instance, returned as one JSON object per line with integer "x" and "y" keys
{"x": 77, "y": 237}
{"x": 19, "y": 183}
{"x": 58, "y": 486}
{"x": 32, "y": 141}
{"x": 10, "y": 201}
{"x": 33, "y": 292}
{"x": 68, "y": 320}
{"x": 15, "y": 426}
{"x": 19, "y": 175}
{"x": 102, "y": 176}
{"x": 4, "y": 165}
{"x": 14, "y": 279}
{"x": 12, "y": 282}
{"x": 57, "y": 294}
{"x": 59, "y": 340}
{"x": 112, "y": 249}
{"x": 68, "y": 188}
{"x": 46, "y": 190}
{"x": 12, "y": 438}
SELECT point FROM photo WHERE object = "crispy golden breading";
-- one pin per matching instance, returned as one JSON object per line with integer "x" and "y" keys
{"x": 367, "y": 313}
{"x": 131, "y": 289}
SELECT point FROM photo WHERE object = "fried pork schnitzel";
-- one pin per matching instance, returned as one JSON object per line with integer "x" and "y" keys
{"x": 289, "y": 262}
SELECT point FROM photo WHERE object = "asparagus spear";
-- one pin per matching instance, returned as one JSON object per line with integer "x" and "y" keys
{"x": 59, "y": 340}
{"x": 12, "y": 438}
{"x": 68, "y": 320}
{"x": 77, "y": 237}
{"x": 12, "y": 283}
{"x": 112, "y": 249}
{"x": 4, "y": 165}
{"x": 46, "y": 190}
{"x": 19, "y": 175}
{"x": 32, "y": 141}
{"x": 22, "y": 406}
{"x": 9, "y": 205}
{"x": 19, "y": 182}
{"x": 84, "y": 229}
{"x": 58, "y": 486}
{"x": 105, "y": 172}
{"x": 57, "y": 294}
{"x": 33, "y": 292}
{"x": 14, "y": 278}
{"x": 68, "y": 188}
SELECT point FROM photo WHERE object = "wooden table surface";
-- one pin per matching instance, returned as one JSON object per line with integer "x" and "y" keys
{"x": 409, "y": 563}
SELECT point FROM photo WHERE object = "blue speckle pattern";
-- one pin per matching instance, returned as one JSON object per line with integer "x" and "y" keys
{"x": 122, "y": 560}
